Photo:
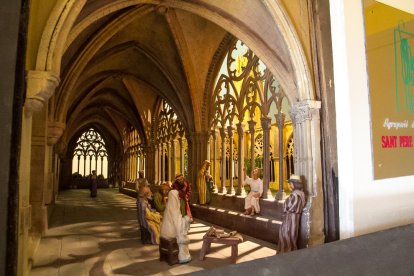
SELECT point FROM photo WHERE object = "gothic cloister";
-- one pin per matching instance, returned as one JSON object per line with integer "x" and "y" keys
{"x": 160, "y": 86}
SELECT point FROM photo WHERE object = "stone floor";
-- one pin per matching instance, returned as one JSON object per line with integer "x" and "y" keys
{"x": 99, "y": 236}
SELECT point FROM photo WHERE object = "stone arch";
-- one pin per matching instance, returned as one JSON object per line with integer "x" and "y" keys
{"x": 293, "y": 74}
{"x": 55, "y": 34}
{"x": 65, "y": 12}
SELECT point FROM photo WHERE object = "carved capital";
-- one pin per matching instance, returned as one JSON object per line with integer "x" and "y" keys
{"x": 223, "y": 133}
{"x": 240, "y": 129}
{"x": 266, "y": 121}
{"x": 54, "y": 132}
{"x": 304, "y": 111}
{"x": 252, "y": 125}
{"x": 230, "y": 131}
{"x": 40, "y": 87}
{"x": 280, "y": 118}
{"x": 61, "y": 148}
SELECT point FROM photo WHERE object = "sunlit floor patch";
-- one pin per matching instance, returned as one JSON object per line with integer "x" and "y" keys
{"x": 101, "y": 237}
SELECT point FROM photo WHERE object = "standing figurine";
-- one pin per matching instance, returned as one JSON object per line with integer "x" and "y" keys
{"x": 293, "y": 207}
{"x": 94, "y": 184}
{"x": 204, "y": 183}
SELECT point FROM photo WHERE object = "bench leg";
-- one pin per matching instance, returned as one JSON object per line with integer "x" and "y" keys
{"x": 204, "y": 249}
{"x": 234, "y": 253}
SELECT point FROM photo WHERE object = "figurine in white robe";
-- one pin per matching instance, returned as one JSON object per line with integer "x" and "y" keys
{"x": 251, "y": 202}
{"x": 175, "y": 225}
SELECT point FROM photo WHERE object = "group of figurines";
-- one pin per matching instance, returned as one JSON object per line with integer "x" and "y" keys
{"x": 168, "y": 216}
{"x": 167, "y": 213}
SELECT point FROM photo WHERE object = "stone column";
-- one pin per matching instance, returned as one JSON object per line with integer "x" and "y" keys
{"x": 208, "y": 148}
{"x": 163, "y": 146}
{"x": 181, "y": 142}
{"x": 38, "y": 177}
{"x": 214, "y": 163}
{"x": 266, "y": 121}
{"x": 168, "y": 170}
{"x": 223, "y": 160}
{"x": 135, "y": 167}
{"x": 280, "y": 119}
{"x": 160, "y": 154}
{"x": 156, "y": 164}
{"x": 306, "y": 123}
{"x": 173, "y": 159}
{"x": 231, "y": 190}
{"x": 54, "y": 133}
{"x": 240, "y": 133}
{"x": 252, "y": 128}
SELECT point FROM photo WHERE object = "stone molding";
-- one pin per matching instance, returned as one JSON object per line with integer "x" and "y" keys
{"x": 40, "y": 87}
{"x": 54, "y": 132}
{"x": 304, "y": 111}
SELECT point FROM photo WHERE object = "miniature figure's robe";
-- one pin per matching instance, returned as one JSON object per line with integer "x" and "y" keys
{"x": 175, "y": 225}
{"x": 256, "y": 186}
{"x": 288, "y": 232}
{"x": 149, "y": 222}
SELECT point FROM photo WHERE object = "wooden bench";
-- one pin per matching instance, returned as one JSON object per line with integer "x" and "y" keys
{"x": 233, "y": 241}
{"x": 168, "y": 250}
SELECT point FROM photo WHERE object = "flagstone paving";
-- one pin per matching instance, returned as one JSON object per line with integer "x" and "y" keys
{"x": 100, "y": 236}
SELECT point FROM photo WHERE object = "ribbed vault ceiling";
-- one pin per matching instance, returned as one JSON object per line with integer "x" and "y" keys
{"x": 121, "y": 56}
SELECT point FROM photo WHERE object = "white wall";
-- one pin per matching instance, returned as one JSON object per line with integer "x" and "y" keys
{"x": 365, "y": 205}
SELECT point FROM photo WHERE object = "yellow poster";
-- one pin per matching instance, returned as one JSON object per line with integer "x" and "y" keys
{"x": 391, "y": 84}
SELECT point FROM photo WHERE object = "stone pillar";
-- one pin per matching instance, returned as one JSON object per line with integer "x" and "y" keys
{"x": 231, "y": 190}
{"x": 38, "y": 177}
{"x": 149, "y": 163}
{"x": 266, "y": 121}
{"x": 223, "y": 160}
{"x": 252, "y": 128}
{"x": 163, "y": 146}
{"x": 280, "y": 119}
{"x": 208, "y": 148}
{"x": 159, "y": 162}
{"x": 173, "y": 159}
{"x": 181, "y": 142}
{"x": 168, "y": 170}
{"x": 306, "y": 123}
{"x": 214, "y": 161}
{"x": 240, "y": 186}
{"x": 135, "y": 166}
{"x": 156, "y": 164}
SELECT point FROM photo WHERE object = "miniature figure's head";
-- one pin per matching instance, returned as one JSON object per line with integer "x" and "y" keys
{"x": 256, "y": 173}
{"x": 146, "y": 192}
{"x": 165, "y": 188}
{"x": 94, "y": 172}
{"x": 179, "y": 183}
{"x": 295, "y": 182}
{"x": 179, "y": 177}
{"x": 142, "y": 183}
{"x": 141, "y": 174}
{"x": 206, "y": 164}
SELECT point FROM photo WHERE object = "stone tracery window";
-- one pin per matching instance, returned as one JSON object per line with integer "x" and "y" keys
{"x": 90, "y": 154}
{"x": 170, "y": 143}
{"x": 134, "y": 155}
{"x": 246, "y": 92}
{"x": 290, "y": 169}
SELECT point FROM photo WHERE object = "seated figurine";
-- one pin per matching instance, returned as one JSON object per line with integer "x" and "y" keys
{"x": 176, "y": 221}
{"x": 161, "y": 196}
{"x": 149, "y": 220}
